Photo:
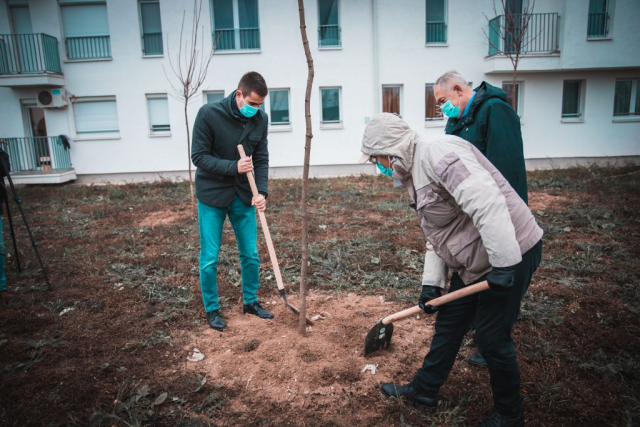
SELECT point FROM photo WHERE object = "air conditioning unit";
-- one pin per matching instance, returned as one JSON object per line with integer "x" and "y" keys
{"x": 51, "y": 98}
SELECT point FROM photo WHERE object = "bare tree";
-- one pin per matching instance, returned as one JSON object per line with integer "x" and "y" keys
{"x": 190, "y": 69}
{"x": 305, "y": 174}
{"x": 509, "y": 34}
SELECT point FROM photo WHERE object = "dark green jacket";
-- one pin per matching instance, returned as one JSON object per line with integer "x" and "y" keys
{"x": 494, "y": 128}
{"x": 217, "y": 131}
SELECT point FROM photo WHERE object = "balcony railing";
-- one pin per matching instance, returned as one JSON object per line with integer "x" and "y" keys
{"x": 436, "y": 32}
{"x": 152, "y": 43}
{"x": 29, "y": 54}
{"x": 540, "y": 36}
{"x": 329, "y": 36}
{"x": 36, "y": 154}
{"x": 89, "y": 47}
{"x": 598, "y": 25}
{"x": 236, "y": 39}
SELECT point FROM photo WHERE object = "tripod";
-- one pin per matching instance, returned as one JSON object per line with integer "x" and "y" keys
{"x": 14, "y": 194}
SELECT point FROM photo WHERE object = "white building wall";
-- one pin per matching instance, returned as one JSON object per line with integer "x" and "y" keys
{"x": 402, "y": 58}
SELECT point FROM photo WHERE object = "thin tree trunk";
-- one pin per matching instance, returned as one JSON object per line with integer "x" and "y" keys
{"x": 305, "y": 175}
{"x": 186, "y": 122}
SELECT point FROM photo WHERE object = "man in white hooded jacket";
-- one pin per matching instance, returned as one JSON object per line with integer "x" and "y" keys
{"x": 476, "y": 225}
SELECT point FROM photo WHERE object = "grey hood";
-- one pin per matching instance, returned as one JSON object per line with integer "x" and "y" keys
{"x": 389, "y": 135}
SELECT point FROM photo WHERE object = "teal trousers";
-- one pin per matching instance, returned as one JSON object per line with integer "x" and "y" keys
{"x": 243, "y": 221}
{"x": 3, "y": 259}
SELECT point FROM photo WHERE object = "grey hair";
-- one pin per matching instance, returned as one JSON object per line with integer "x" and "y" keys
{"x": 450, "y": 78}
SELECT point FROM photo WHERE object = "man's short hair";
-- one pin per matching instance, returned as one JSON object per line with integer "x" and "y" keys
{"x": 253, "y": 82}
{"x": 451, "y": 78}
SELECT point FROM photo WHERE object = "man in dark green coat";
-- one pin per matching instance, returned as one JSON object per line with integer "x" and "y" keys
{"x": 222, "y": 187}
{"x": 483, "y": 117}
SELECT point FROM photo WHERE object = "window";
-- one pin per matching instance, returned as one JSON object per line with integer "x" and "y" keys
{"x": 572, "y": 99}
{"x": 391, "y": 99}
{"x": 514, "y": 97}
{"x": 158, "y": 113}
{"x": 96, "y": 114}
{"x": 86, "y": 29}
{"x": 436, "y": 22}
{"x": 151, "y": 27}
{"x": 330, "y": 104}
{"x": 213, "y": 96}
{"x": 432, "y": 109}
{"x": 328, "y": 24}
{"x": 236, "y": 25}
{"x": 626, "y": 99}
{"x": 598, "y": 24}
{"x": 279, "y": 107}
{"x": 20, "y": 17}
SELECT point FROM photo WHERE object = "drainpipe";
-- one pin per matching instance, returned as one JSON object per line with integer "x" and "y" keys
{"x": 376, "y": 74}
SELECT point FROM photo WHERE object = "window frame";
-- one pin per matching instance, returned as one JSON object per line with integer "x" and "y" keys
{"x": 579, "y": 118}
{"x": 144, "y": 54}
{"x": 155, "y": 132}
{"x": 607, "y": 24}
{"x": 87, "y": 99}
{"x": 632, "y": 115}
{"x": 445, "y": 8}
{"x": 435, "y": 121}
{"x": 62, "y": 4}
{"x": 400, "y": 96}
{"x": 236, "y": 26}
{"x": 520, "y": 93}
{"x": 205, "y": 93}
{"x": 331, "y": 124}
{"x": 339, "y": 45}
{"x": 267, "y": 107}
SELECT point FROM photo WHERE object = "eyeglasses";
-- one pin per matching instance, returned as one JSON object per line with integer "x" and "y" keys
{"x": 374, "y": 159}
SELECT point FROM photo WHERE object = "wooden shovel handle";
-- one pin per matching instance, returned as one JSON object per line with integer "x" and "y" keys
{"x": 265, "y": 227}
{"x": 452, "y": 296}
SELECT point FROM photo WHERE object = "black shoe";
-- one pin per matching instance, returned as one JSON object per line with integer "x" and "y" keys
{"x": 255, "y": 308}
{"x": 498, "y": 420}
{"x": 215, "y": 321}
{"x": 407, "y": 391}
{"x": 477, "y": 360}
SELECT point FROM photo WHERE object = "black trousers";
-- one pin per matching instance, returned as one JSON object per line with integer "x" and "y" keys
{"x": 494, "y": 314}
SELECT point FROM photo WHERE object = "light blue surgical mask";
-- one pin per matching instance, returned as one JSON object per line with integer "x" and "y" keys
{"x": 387, "y": 171}
{"x": 450, "y": 110}
{"x": 248, "y": 111}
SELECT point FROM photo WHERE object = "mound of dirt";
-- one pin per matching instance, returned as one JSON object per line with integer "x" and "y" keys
{"x": 268, "y": 364}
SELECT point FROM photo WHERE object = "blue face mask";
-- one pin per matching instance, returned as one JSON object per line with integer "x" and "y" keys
{"x": 387, "y": 171}
{"x": 248, "y": 111}
{"x": 450, "y": 110}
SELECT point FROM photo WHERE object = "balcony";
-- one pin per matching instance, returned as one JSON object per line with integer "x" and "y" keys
{"x": 88, "y": 47}
{"x": 152, "y": 44}
{"x": 29, "y": 60}
{"x": 38, "y": 160}
{"x": 436, "y": 33}
{"x": 329, "y": 36}
{"x": 598, "y": 25}
{"x": 236, "y": 39}
{"x": 539, "y": 48}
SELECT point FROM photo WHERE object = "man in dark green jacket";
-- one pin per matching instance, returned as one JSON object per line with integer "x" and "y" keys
{"x": 483, "y": 117}
{"x": 222, "y": 187}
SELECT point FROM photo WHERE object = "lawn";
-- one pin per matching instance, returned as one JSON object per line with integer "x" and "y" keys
{"x": 109, "y": 345}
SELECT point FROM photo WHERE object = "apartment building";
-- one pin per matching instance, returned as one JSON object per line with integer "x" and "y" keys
{"x": 86, "y": 85}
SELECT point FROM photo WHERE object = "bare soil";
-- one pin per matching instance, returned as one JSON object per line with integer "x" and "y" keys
{"x": 109, "y": 345}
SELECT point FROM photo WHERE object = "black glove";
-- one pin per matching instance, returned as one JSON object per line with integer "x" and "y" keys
{"x": 429, "y": 293}
{"x": 501, "y": 278}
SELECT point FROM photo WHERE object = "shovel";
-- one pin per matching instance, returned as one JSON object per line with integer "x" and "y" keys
{"x": 379, "y": 336}
{"x": 267, "y": 237}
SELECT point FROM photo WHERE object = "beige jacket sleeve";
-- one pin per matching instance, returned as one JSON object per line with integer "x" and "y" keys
{"x": 455, "y": 167}
{"x": 435, "y": 270}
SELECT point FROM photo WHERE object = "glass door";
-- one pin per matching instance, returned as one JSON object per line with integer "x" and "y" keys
{"x": 37, "y": 146}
